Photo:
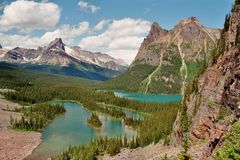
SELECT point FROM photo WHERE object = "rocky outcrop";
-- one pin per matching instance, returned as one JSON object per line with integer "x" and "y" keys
{"x": 174, "y": 53}
{"x": 214, "y": 102}
{"x": 56, "y": 44}
{"x": 154, "y": 34}
{"x": 195, "y": 37}
{"x": 0, "y": 46}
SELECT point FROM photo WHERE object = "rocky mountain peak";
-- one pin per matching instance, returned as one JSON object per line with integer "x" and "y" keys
{"x": 57, "y": 44}
{"x": 189, "y": 20}
{"x": 155, "y": 32}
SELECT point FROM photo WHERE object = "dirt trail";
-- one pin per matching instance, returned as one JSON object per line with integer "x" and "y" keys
{"x": 149, "y": 78}
{"x": 183, "y": 69}
{"x": 204, "y": 29}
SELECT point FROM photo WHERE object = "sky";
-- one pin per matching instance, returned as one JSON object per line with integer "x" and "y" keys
{"x": 115, "y": 27}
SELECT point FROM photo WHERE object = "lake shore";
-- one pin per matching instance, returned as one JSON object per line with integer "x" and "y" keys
{"x": 14, "y": 144}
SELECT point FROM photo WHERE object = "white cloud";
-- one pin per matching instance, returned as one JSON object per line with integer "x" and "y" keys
{"x": 29, "y": 15}
{"x": 121, "y": 39}
{"x": 101, "y": 24}
{"x": 85, "y": 6}
{"x": 66, "y": 32}
{"x": 12, "y": 41}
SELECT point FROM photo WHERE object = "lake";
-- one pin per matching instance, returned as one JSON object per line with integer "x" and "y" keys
{"x": 161, "y": 98}
{"x": 71, "y": 129}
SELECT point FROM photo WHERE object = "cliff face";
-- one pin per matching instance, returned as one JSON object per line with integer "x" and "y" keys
{"x": 145, "y": 56}
{"x": 214, "y": 102}
{"x": 177, "y": 54}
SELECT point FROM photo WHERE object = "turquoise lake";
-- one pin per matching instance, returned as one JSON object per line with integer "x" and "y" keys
{"x": 71, "y": 129}
{"x": 149, "y": 97}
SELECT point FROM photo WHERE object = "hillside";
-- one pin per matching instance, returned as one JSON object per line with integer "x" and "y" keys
{"x": 58, "y": 58}
{"x": 170, "y": 59}
{"x": 11, "y": 77}
{"x": 211, "y": 104}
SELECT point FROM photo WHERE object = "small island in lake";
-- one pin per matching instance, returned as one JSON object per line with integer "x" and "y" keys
{"x": 94, "y": 121}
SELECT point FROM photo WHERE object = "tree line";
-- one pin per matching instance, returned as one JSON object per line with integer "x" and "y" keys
{"x": 94, "y": 121}
{"x": 36, "y": 117}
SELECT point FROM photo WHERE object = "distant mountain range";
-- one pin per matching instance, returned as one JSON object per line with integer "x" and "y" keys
{"x": 169, "y": 59}
{"x": 61, "y": 59}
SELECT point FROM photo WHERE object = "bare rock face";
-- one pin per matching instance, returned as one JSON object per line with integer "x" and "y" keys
{"x": 174, "y": 53}
{"x": 195, "y": 39}
{"x": 218, "y": 88}
{"x": 146, "y": 56}
{"x": 0, "y": 46}
{"x": 155, "y": 33}
{"x": 56, "y": 44}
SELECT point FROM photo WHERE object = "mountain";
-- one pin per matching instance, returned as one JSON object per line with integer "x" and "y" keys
{"x": 61, "y": 59}
{"x": 168, "y": 60}
{"x": 211, "y": 104}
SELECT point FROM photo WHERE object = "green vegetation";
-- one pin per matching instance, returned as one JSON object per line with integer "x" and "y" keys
{"x": 41, "y": 88}
{"x": 226, "y": 22}
{"x": 134, "y": 123}
{"x": 237, "y": 41}
{"x": 168, "y": 79}
{"x": 131, "y": 79}
{"x": 223, "y": 113}
{"x": 99, "y": 146}
{"x": 37, "y": 116}
{"x": 94, "y": 121}
{"x": 147, "y": 134}
{"x": 153, "y": 48}
{"x": 183, "y": 156}
{"x": 193, "y": 69}
{"x": 111, "y": 110}
{"x": 231, "y": 148}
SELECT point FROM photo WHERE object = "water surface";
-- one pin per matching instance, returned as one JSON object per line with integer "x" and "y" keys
{"x": 71, "y": 129}
{"x": 161, "y": 98}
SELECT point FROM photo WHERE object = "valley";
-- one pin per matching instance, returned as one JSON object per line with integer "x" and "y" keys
{"x": 178, "y": 99}
{"x": 30, "y": 92}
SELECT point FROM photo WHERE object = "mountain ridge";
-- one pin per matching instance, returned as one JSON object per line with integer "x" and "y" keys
{"x": 175, "y": 57}
{"x": 56, "y": 54}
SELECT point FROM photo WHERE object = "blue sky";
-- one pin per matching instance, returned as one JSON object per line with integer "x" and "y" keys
{"x": 76, "y": 21}
{"x": 166, "y": 12}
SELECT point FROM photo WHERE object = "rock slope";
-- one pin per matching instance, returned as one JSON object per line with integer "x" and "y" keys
{"x": 213, "y": 103}
{"x": 176, "y": 55}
